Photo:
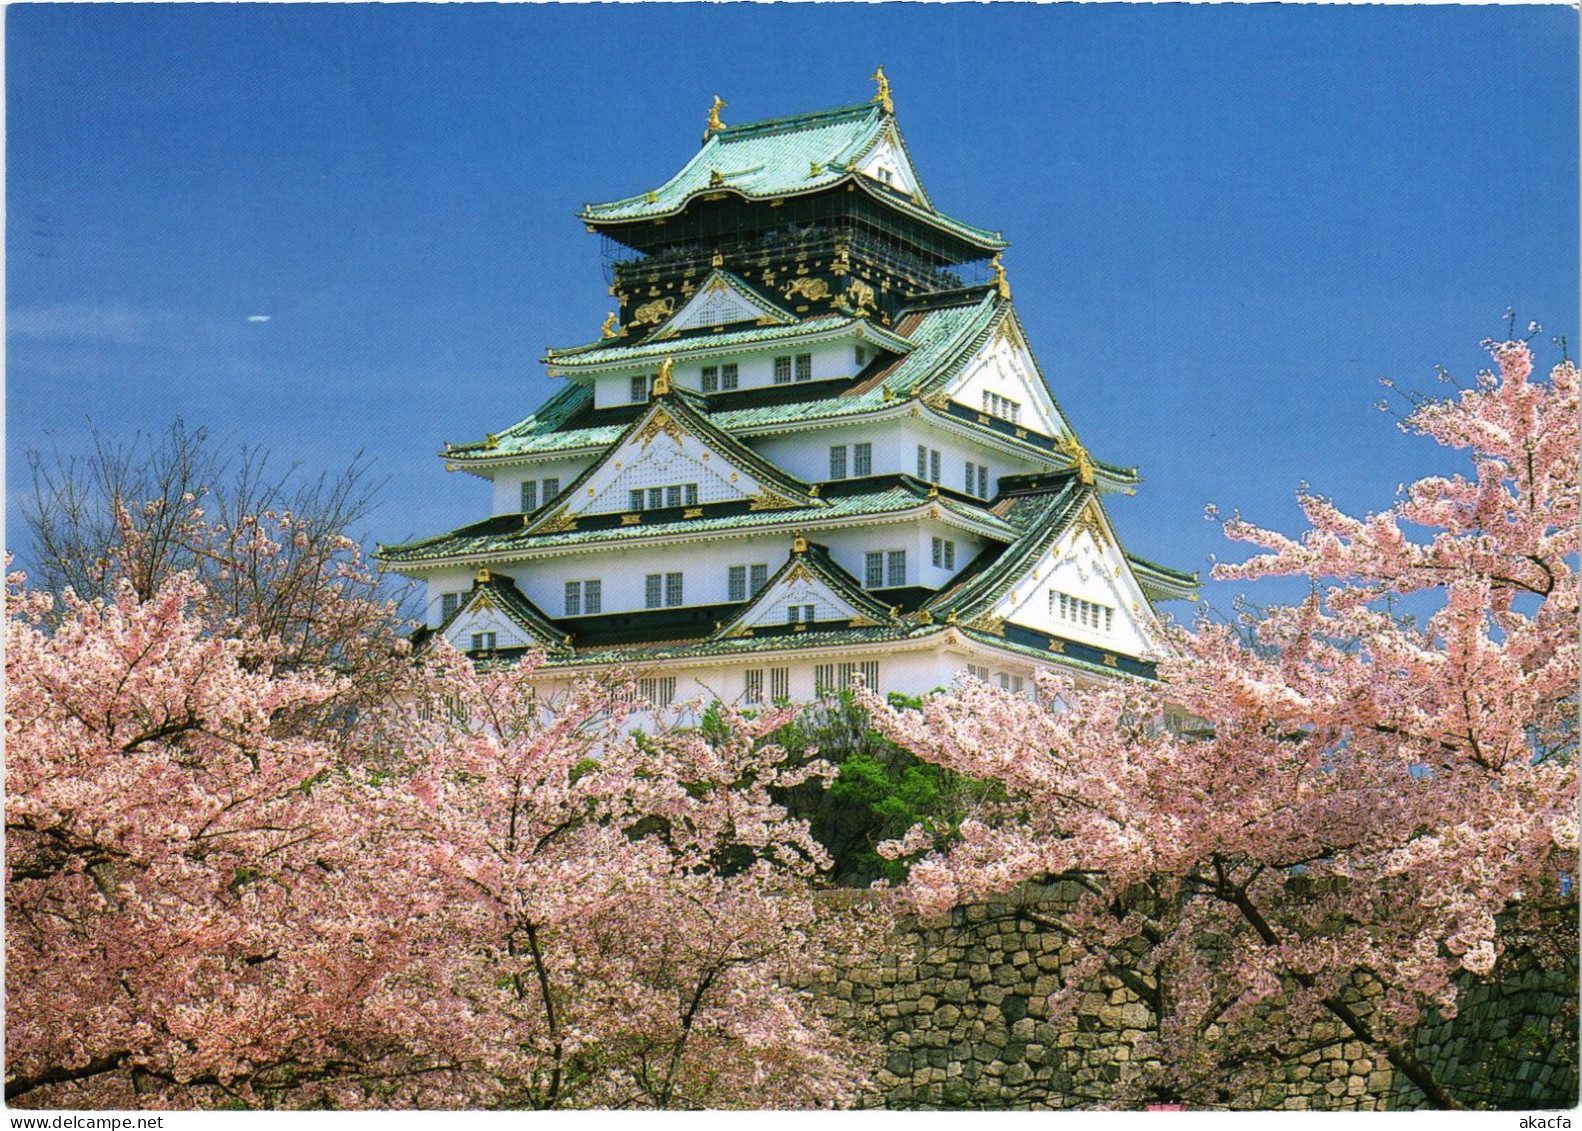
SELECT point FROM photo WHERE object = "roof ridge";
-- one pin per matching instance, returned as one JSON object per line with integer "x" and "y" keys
{"x": 798, "y": 121}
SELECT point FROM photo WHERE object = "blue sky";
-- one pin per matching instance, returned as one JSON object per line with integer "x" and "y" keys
{"x": 1226, "y": 222}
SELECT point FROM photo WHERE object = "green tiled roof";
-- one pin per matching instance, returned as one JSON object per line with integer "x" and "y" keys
{"x": 611, "y": 351}
{"x": 778, "y": 158}
{"x": 502, "y": 591}
{"x": 506, "y": 535}
{"x": 747, "y": 645}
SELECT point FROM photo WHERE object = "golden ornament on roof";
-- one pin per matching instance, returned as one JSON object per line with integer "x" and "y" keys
{"x": 799, "y": 545}
{"x": 1000, "y": 283}
{"x": 611, "y": 327}
{"x": 662, "y": 379}
{"x": 714, "y": 117}
{"x": 882, "y": 97}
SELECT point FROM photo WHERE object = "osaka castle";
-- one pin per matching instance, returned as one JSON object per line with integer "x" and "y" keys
{"x": 805, "y": 447}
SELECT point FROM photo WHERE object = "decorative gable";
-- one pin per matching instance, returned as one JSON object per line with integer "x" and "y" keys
{"x": 810, "y": 590}
{"x": 722, "y": 300}
{"x": 496, "y": 616}
{"x": 1083, "y": 588}
{"x": 1003, "y": 380}
{"x": 889, "y": 163}
{"x": 675, "y": 458}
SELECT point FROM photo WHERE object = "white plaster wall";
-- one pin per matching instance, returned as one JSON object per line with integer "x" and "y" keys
{"x": 507, "y": 634}
{"x": 663, "y": 461}
{"x": 508, "y": 482}
{"x": 831, "y": 359}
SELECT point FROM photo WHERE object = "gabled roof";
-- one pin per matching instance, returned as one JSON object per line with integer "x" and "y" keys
{"x": 624, "y": 351}
{"x": 810, "y": 561}
{"x": 495, "y": 591}
{"x": 730, "y": 294}
{"x": 1043, "y": 516}
{"x": 783, "y": 157}
{"x": 671, "y": 414}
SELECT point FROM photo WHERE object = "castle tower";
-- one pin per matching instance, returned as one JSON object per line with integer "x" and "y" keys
{"x": 802, "y": 448}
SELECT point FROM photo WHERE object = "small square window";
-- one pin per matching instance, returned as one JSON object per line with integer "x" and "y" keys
{"x": 551, "y": 488}
{"x": 483, "y": 641}
{"x": 804, "y": 367}
{"x": 448, "y": 604}
{"x": 673, "y": 496}
{"x": 656, "y": 498}
{"x": 639, "y": 389}
{"x": 689, "y": 493}
{"x": 728, "y": 376}
{"x": 634, "y": 499}
{"x": 782, "y": 371}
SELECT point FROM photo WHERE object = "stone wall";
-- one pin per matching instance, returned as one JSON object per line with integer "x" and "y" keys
{"x": 962, "y": 1014}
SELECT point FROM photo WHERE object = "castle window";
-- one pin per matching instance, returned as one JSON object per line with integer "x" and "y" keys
{"x": 804, "y": 367}
{"x": 977, "y": 671}
{"x": 483, "y": 641}
{"x": 862, "y": 356}
{"x": 672, "y": 589}
{"x": 634, "y": 499}
{"x": 779, "y": 684}
{"x": 972, "y": 477}
{"x": 1079, "y": 612}
{"x": 928, "y": 464}
{"x": 728, "y": 376}
{"x": 753, "y": 685}
{"x": 983, "y": 481}
{"x": 837, "y": 461}
{"x": 895, "y": 572}
{"x": 737, "y": 580}
{"x": 711, "y": 378}
{"x": 1005, "y": 409}
{"x": 551, "y": 488}
{"x": 832, "y": 679}
{"x": 862, "y": 459}
{"x": 1011, "y": 683}
{"x": 583, "y": 598}
{"x": 803, "y": 614}
{"x": 653, "y": 591}
{"x": 573, "y": 598}
{"x": 944, "y": 553}
{"x": 448, "y": 604}
{"x": 782, "y": 370}
{"x": 529, "y": 495}
{"x": 673, "y": 495}
{"x": 950, "y": 554}
{"x": 659, "y": 692}
{"x": 639, "y": 389}
{"x": 873, "y": 570}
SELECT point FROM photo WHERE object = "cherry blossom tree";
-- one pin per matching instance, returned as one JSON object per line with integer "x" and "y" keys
{"x": 469, "y": 895}
{"x": 620, "y": 919}
{"x": 187, "y": 910}
{"x": 1370, "y": 805}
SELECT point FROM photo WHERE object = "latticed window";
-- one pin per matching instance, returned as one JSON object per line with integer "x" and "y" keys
{"x": 672, "y": 589}
{"x": 950, "y": 554}
{"x": 673, "y": 495}
{"x": 804, "y": 367}
{"x": 928, "y": 464}
{"x": 895, "y": 572}
{"x": 448, "y": 604}
{"x": 753, "y": 685}
{"x": 653, "y": 591}
{"x": 729, "y": 376}
{"x": 1086, "y": 614}
{"x": 711, "y": 379}
{"x": 783, "y": 370}
{"x": 801, "y": 614}
{"x": 483, "y": 641}
{"x": 944, "y": 553}
{"x": 837, "y": 461}
{"x": 529, "y": 495}
{"x": 573, "y": 598}
{"x": 873, "y": 570}
{"x": 551, "y": 488}
{"x": 779, "y": 683}
{"x": 660, "y": 691}
{"x": 862, "y": 459}
{"x": 832, "y": 679}
{"x": 737, "y": 585}
{"x": 634, "y": 499}
{"x": 639, "y": 389}
{"x": 592, "y": 597}
{"x": 983, "y": 481}
{"x": 977, "y": 671}
{"x": 760, "y": 577}
{"x": 1011, "y": 683}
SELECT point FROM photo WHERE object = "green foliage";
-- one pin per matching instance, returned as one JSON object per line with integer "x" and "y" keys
{"x": 879, "y": 792}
